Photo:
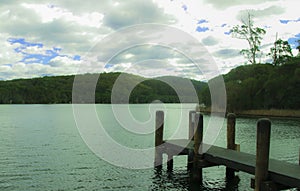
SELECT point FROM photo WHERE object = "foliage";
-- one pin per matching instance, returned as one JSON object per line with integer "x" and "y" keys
{"x": 253, "y": 35}
{"x": 58, "y": 89}
{"x": 298, "y": 47}
{"x": 281, "y": 52}
{"x": 263, "y": 86}
{"x": 259, "y": 86}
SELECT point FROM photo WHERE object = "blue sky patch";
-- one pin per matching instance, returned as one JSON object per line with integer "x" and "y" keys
{"x": 10, "y": 65}
{"x": 51, "y": 6}
{"x": 202, "y": 29}
{"x": 41, "y": 58}
{"x": 22, "y": 42}
{"x": 47, "y": 74}
{"x": 294, "y": 41}
{"x": 201, "y": 21}
{"x": 77, "y": 57}
{"x": 288, "y": 21}
{"x": 108, "y": 66}
{"x": 227, "y": 33}
{"x": 285, "y": 21}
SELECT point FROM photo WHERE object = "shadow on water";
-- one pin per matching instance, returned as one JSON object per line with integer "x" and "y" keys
{"x": 182, "y": 180}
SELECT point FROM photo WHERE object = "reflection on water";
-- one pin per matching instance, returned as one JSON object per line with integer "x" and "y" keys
{"x": 182, "y": 180}
{"x": 41, "y": 149}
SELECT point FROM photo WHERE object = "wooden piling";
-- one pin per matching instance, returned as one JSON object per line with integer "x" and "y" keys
{"x": 280, "y": 175}
{"x": 198, "y": 138}
{"x": 191, "y": 137}
{"x": 231, "y": 121}
{"x": 159, "y": 130}
{"x": 299, "y": 164}
{"x": 170, "y": 162}
{"x": 262, "y": 153}
{"x": 191, "y": 124}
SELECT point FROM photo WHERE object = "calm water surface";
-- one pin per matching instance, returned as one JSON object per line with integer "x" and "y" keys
{"x": 41, "y": 149}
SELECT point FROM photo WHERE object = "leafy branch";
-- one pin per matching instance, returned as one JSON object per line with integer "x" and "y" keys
{"x": 253, "y": 35}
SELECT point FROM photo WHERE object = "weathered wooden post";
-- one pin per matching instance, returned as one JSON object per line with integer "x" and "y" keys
{"x": 170, "y": 162}
{"x": 198, "y": 138}
{"x": 231, "y": 120}
{"x": 191, "y": 137}
{"x": 159, "y": 130}
{"x": 191, "y": 124}
{"x": 299, "y": 164}
{"x": 262, "y": 152}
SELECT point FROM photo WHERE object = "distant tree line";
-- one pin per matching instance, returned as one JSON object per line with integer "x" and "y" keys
{"x": 258, "y": 86}
{"x": 58, "y": 89}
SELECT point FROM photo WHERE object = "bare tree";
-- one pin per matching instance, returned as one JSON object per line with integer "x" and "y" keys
{"x": 253, "y": 35}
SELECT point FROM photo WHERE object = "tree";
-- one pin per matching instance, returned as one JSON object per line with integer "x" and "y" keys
{"x": 252, "y": 34}
{"x": 298, "y": 47}
{"x": 281, "y": 52}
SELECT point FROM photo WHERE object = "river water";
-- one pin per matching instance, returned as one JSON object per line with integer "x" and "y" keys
{"x": 41, "y": 149}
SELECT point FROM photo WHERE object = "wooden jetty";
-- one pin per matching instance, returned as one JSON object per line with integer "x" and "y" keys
{"x": 269, "y": 174}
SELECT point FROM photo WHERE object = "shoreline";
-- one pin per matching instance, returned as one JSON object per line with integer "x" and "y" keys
{"x": 271, "y": 113}
{"x": 274, "y": 113}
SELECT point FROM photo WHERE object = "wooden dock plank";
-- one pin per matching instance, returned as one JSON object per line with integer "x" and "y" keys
{"x": 181, "y": 146}
{"x": 284, "y": 172}
{"x": 232, "y": 159}
{"x": 280, "y": 172}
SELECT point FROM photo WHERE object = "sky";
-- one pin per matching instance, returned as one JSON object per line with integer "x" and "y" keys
{"x": 63, "y": 37}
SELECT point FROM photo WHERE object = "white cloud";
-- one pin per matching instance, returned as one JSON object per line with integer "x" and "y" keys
{"x": 221, "y": 4}
{"x": 7, "y": 53}
{"x": 75, "y": 27}
{"x": 48, "y": 13}
{"x": 210, "y": 41}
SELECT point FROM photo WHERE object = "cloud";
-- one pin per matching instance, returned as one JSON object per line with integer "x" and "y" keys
{"x": 261, "y": 13}
{"x": 210, "y": 41}
{"x": 227, "y": 53}
{"x": 57, "y": 35}
{"x": 75, "y": 31}
{"x": 7, "y": 51}
{"x": 144, "y": 52}
{"x": 72, "y": 26}
{"x": 57, "y": 66}
{"x": 21, "y": 70}
{"x": 58, "y": 32}
{"x": 134, "y": 12}
{"x": 36, "y": 59}
{"x": 221, "y": 4}
{"x": 36, "y": 52}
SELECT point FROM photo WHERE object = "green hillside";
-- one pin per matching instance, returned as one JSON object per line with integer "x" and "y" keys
{"x": 58, "y": 89}
{"x": 249, "y": 87}
{"x": 262, "y": 86}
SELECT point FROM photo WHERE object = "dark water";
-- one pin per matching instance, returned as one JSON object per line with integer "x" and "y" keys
{"x": 41, "y": 149}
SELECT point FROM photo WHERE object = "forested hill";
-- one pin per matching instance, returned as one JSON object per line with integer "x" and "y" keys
{"x": 262, "y": 86}
{"x": 249, "y": 87}
{"x": 58, "y": 89}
